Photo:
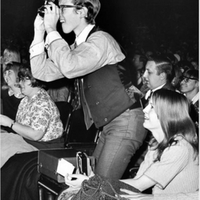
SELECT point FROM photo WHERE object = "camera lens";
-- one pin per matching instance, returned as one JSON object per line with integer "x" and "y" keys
{"x": 41, "y": 11}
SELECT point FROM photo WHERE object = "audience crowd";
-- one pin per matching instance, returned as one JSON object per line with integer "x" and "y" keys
{"x": 158, "y": 61}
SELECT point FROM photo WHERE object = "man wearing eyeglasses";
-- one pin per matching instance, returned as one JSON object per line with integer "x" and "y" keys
{"x": 189, "y": 86}
{"x": 94, "y": 58}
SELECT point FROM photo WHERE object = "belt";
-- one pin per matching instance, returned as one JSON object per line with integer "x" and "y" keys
{"x": 137, "y": 104}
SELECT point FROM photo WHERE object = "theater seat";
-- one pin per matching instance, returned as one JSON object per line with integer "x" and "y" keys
{"x": 65, "y": 110}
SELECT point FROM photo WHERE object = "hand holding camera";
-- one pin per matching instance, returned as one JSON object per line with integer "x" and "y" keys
{"x": 47, "y": 17}
{"x": 41, "y": 10}
{"x": 39, "y": 24}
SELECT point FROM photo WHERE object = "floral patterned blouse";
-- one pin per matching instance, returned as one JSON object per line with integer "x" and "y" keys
{"x": 40, "y": 113}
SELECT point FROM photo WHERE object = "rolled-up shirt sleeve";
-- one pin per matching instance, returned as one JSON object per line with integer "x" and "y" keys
{"x": 52, "y": 36}
{"x": 36, "y": 49}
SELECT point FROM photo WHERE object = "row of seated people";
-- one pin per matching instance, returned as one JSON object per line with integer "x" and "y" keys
{"x": 181, "y": 150}
{"x": 156, "y": 76}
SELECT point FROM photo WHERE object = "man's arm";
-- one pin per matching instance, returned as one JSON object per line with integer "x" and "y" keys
{"x": 99, "y": 50}
{"x": 42, "y": 68}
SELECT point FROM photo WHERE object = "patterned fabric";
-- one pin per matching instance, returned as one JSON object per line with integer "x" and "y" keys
{"x": 40, "y": 113}
{"x": 98, "y": 187}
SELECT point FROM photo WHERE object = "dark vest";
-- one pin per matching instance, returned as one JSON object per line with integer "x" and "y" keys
{"x": 105, "y": 95}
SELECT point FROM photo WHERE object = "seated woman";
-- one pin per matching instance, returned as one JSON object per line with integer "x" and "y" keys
{"x": 11, "y": 96}
{"x": 37, "y": 118}
{"x": 171, "y": 163}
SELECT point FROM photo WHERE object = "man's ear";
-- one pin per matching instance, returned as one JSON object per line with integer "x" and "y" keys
{"x": 83, "y": 12}
{"x": 163, "y": 76}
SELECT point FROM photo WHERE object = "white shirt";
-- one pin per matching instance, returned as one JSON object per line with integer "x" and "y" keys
{"x": 151, "y": 91}
{"x": 195, "y": 98}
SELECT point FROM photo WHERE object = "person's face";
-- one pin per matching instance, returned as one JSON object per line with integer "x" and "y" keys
{"x": 10, "y": 77}
{"x": 26, "y": 87}
{"x": 152, "y": 123}
{"x": 136, "y": 61}
{"x": 69, "y": 18}
{"x": 151, "y": 76}
{"x": 8, "y": 57}
{"x": 188, "y": 85}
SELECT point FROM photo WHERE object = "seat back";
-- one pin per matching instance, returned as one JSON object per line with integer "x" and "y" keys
{"x": 65, "y": 109}
{"x": 76, "y": 134}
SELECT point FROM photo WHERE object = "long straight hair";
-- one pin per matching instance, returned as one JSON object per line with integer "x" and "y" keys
{"x": 172, "y": 109}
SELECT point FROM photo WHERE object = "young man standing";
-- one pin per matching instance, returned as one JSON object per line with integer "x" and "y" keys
{"x": 93, "y": 58}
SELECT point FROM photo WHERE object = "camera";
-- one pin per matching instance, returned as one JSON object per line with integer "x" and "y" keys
{"x": 42, "y": 8}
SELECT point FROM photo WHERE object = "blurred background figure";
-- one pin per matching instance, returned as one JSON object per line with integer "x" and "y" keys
{"x": 139, "y": 61}
{"x": 11, "y": 95}
{"x": 10, "y": 54}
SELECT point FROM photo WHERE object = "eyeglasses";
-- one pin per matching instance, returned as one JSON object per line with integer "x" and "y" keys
{"x": 186, "y": 79}
{"x": 62, "y": 7}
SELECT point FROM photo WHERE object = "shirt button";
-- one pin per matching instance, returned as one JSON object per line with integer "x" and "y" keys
{"x": 97, "y": 103}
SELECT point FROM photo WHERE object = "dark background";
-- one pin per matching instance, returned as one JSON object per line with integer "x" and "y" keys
{"x": 122, "y": 18}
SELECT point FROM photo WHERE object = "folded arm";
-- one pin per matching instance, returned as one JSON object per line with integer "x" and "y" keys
{"x": 142, "y": 183}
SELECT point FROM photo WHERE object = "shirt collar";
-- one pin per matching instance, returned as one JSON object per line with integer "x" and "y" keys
{"x": 195, "y": 98}
{"x": 158, "y": 88}
{"x": 83, "y": 35}
{"x": 150, "y": 91}
{"x": 17, "y": 95}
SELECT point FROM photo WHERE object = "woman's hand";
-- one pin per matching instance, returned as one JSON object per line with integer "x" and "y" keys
{"x": 5, "y": 121}
{"x": 77, "y": 180}
{"x": 135, "y": 196}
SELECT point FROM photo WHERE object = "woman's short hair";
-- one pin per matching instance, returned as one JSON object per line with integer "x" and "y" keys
{"x": 26, "y": 74}
{"x": 14, "y": 66}
{"x": 172, "y": 109}
{"x": 93, "y": 7}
